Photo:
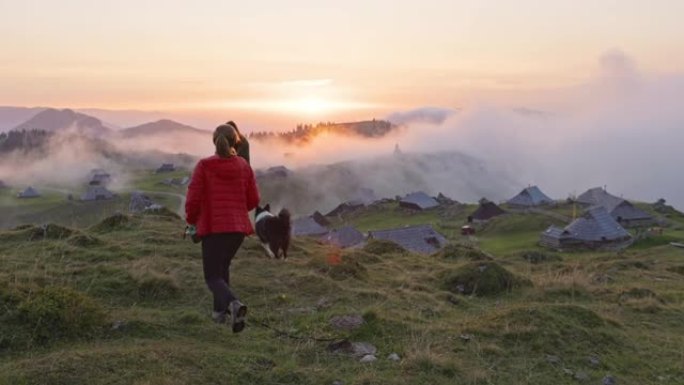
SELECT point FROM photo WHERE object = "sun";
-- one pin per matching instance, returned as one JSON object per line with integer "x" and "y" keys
{"x": 310, "y": 106}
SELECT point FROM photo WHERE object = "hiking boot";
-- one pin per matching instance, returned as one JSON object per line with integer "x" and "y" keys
{"x": 219, "y": 317}
{"x": 238, "y": 312}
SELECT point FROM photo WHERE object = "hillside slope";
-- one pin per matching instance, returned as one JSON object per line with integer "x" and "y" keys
{"x": 126, "y": 304}
{"x": 54, "y": 120}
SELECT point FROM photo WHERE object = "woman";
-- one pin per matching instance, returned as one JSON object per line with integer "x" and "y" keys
{"x": 220, "y": 194}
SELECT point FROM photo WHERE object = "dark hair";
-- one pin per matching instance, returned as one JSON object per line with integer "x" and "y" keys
{"x": 232, "y": 123}
{"x": 225, "y": 139}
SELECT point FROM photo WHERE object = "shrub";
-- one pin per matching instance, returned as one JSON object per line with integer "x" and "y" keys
{"x": 82, "y": 240}
{"x": 117, "y": 221}
{"x": 154, "y": 285}
{"x": 49, "y": 231}
{"x": 484, "y": 278}
{"x": 57, "y": 312}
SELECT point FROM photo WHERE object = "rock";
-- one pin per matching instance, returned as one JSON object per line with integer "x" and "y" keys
{"x": 550, "y": 358}
{"x": 355, "y": 349}
{"x": 322, "y": 303}
{"x": 368, "y": 358}
{"x": 363, "y": 349}
{"x": 581, "y": 376}
{"x": 118, "y": 325}
{"x": 394, "y": 357}
{"x": 568, "y": 371}
{"x": 347, "y": 322}
{"x": 466, "y": 337}
{"x": 595, "y": 361}
{"x": 609, "y": 380}
{"x": 337, "y": 382}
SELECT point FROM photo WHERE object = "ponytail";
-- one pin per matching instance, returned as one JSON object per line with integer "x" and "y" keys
{"x": 225, "y": 139}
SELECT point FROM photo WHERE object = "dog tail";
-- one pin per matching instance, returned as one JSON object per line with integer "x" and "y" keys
{"x": 284, "y": 216}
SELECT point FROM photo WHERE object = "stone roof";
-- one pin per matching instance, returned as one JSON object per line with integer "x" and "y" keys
{"x": 30, "y": 192}
{"x": 344, "y": 237}
{"x": 344, "y": 208}
{"x": 307, "y": 226}
{"x": 421, "y": 239}
{"x": 531, "y": 196}
{"x": 486, "y": 211}
{"x": 419, "y": 200}
{"x": 596, "y": 224}
{"x": 166, "y": 167}
{"x": 96, "y": 193}
{"x": 617, "y": 207}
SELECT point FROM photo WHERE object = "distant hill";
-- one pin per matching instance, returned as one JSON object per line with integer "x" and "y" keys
{"x": 164, "y": 126}
{"x": 53, "y": 120}
{"x": 305, "y": 133}
{"x": 11, "y": 117}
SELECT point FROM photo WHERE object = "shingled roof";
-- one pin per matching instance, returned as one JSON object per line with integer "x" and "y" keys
{"x": 307, "y": 226}
{"x": 97, "y": 193}
{"x": 618, "y": 208}
{"x": 30, "y": 192}
{"x": 529, "y": 197}
{"x": 596, "y": 224}
{"x": 597, "y": 196}
{"x": 487, "y": 211}
{"x": 421, "y": 239}
{"x": 344, "y": 237}
{"x": 166, "y": 167}
{"x": 100, "y": 179}
{"x": 418, "y": 201}
{"x": 345, "y": 208}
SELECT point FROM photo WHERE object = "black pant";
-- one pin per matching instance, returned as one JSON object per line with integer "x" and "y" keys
{"x": 218, "y": 251}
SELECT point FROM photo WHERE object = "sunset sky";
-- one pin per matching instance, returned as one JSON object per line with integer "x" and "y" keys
{"x": 317, "y": 57}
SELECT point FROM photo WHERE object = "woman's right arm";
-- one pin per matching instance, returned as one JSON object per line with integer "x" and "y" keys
{"x": 194, "y": 196}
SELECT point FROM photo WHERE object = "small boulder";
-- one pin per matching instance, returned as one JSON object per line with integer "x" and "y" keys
{"x": 594, "y": 360}
{"x": 394, "y": 357}
{"x": 368, "y": 358}
{"x": 551, "y": 359}
{"x": 609, "y": 380}
{"x": 347, "y": 322}
{"x": 355, "y": 349}
{"x": 581, "y": 376}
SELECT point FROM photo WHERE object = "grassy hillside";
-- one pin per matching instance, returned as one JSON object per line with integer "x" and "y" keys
{"x": 123, "y": 302}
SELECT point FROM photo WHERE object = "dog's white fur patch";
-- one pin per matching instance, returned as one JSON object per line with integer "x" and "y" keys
{"x": 263, "y": 215}
{"x": 268, "y": 250}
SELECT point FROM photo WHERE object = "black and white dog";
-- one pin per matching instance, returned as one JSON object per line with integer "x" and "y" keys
{"x": 273, "y": 231}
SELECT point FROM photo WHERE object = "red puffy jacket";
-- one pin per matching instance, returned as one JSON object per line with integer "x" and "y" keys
{"x": 220, "y": 195}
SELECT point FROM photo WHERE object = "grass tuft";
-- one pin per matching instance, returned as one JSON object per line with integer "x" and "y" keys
{"x": 482, "y": 279}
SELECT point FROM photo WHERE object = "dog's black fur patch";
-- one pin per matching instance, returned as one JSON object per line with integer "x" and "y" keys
{"x": 274, "y": 230}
